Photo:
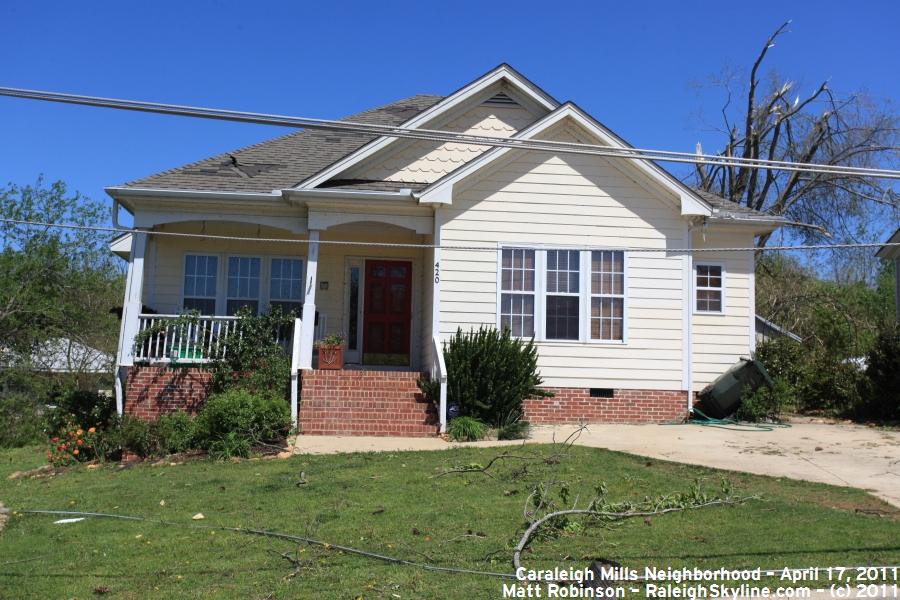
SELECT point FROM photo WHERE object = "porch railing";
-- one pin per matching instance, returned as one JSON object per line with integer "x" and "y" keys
{"x": 198, "y": 339}
{"x": 439, "y": 373}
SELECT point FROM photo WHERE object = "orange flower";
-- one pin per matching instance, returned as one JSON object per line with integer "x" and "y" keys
{"x": 61, "y": 447}
{"x": 92, "y": 430}
{"x": 54, "y": 439}
{"x": 79, "y": 432}
{"x": 75, "y": 451}
{"x": 79, "y": 442}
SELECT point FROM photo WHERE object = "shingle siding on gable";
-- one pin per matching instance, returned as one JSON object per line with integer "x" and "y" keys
{"x": 426, "y": 162}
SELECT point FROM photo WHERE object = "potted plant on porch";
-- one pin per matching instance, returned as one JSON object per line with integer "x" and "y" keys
{"x": 331, "y": 352}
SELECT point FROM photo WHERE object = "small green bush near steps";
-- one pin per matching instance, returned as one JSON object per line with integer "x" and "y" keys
{"x": 231, "y": 422}
{"x": 466, "y": 429}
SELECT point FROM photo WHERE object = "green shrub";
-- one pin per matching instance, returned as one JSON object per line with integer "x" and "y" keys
{"x": 239, "y": 414}
{"x": 882, "y": 393}
{"x": 231, "y": 445}
{"x": 517, "y": 430}
{"x": 173, "y": 433}
{"x": 765, "y": 403}
{"x": 489, "y": 374}
{"x": 87, "y": 409}
{"x": 253, "y": 360}
{"x": 132, "y": 435}
{"x": 21, "y": 421}
{"x": 832, "y": 386}
{"x": 785, "y": 359}
{"x": 466, "y": 429}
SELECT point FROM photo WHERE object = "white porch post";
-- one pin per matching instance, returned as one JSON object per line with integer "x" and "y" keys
{"x": 436, "y": 322}
{"x": 308, "y": 325}
{"x": 131, "y": 310}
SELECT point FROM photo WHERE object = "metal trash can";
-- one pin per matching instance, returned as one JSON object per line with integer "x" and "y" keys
{"x": 722, "y": 397}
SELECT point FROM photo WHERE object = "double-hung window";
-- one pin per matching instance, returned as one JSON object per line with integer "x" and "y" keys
{"x": 517, "y": 290}
{"x": 562, "y": 295}
{"x": 243, "y": 284}
{"x": 286, "y": 284}
{"x": 559, "y": 294}
{"x": 200, "y": 283}
{"x": 607, "y": 295}
{"x": 709, "y": 288}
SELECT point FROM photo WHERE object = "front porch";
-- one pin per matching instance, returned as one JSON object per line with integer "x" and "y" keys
{"x": 377, "y": 298}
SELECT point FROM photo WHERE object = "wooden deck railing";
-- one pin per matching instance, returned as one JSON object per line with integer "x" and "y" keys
{"x": 198, "y": 339}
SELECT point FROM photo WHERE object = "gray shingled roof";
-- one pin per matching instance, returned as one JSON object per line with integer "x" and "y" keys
{"x": 285, "y": 161}
{"x": 729, "y": 208}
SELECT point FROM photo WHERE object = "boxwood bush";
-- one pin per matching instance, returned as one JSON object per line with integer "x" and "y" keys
{"x": 489, "y": 374}
{"x": 240, "y": 419}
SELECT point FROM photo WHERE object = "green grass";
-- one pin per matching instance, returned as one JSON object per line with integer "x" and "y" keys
{"x": 389, "y": 503}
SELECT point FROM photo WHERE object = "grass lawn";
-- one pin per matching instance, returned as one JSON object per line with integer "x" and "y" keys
{"x": 390, "y": 503}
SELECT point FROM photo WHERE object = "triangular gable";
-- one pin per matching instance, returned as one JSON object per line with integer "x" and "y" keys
{"x": 517, "y": 88}
{"x": 691, "y": 203}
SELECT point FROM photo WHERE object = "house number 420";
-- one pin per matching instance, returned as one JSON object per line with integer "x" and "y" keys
{"x": 437, "y": 272}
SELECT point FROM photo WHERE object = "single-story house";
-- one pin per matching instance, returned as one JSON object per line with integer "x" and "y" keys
{"x": 397, "y": 243}
{"x": 893, "y": 253}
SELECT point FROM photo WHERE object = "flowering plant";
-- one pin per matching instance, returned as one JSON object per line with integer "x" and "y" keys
{"x": 73, "y": 444}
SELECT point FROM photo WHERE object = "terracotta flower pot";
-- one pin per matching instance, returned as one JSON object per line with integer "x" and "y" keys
{"x": 331, "y": 358}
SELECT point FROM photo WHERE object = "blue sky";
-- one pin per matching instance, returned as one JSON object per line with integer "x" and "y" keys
{"x": 641, "y": 68}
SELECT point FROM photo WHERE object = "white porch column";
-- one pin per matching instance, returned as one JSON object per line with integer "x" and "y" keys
{"x": 308, "y": 326}
{"x": 436, "y": 322}
{"x": 131, "y": 310}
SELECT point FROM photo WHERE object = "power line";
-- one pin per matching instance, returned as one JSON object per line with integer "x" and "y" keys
{"x": 472, "y": 248}
{"x": 447, "y": 136}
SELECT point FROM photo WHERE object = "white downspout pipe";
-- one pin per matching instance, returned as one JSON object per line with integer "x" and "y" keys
{"x": 688, "y": 323}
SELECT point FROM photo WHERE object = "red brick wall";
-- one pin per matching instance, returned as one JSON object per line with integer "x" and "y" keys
{"x": 572, "y": 405}
{"x": 353, "y": 402}
{"x": 151, "y": 391}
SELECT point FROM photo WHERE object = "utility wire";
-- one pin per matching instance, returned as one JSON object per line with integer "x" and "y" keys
{"x": 473, "y": 248}
{"x": 447, "y": 136}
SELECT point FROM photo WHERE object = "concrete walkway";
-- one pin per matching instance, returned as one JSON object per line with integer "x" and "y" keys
{"x": 839, "y": 454}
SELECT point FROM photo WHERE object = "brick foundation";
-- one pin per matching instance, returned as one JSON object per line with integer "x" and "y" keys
{"x": 573, "y": 405}
{"x": 355, "y": 402}
{"x": 151, "y": 391}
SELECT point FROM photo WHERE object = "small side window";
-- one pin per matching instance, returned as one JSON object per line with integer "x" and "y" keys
{"x": 709, "y": 289}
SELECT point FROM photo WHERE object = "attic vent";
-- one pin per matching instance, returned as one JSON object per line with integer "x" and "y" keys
{"x": 501, "y": 99}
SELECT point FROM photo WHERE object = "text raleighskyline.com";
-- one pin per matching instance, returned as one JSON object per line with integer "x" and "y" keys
{"x": 623, "y": 574}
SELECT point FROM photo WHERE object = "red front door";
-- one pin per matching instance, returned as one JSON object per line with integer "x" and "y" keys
{"x": 387, "y": 312}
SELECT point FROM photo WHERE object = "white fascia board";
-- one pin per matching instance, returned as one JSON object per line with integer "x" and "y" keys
{"x": 759, "y": 225}
{"x": 891, "y": 251}
{"x": 119, "y": 193}
{"x": 441, "y": 192}
{"x": 502, "y": 72}
{"x": 295, "y": 195}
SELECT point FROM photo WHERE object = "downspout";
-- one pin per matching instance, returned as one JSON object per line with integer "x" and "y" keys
{"x": 688, "y": 344}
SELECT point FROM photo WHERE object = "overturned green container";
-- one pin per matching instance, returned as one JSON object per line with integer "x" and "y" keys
{"x": 722, "y": 397}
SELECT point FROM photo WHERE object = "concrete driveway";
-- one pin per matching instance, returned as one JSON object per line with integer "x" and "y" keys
{"x": 839, "y": 454}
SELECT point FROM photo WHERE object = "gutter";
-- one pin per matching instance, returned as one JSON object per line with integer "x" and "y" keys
{"x": 131, "y": 192}
{"x": 403, "y": 194}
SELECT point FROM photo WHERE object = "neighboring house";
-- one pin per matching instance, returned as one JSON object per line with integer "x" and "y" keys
{"x": 529, "y": 240}
{"x": 767, "y": 331}
{"x": 893, "y": 253}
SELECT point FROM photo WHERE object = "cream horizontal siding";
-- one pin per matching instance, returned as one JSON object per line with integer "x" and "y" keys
{"x": 164, "y": 293}
{"x": 537, "y": 198}
{"x": 719, "y": 341}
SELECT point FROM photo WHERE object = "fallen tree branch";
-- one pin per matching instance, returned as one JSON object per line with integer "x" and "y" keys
{"x": 484, "y": 469}
{"x": 265, "y": 533}
{"x": 612, "y": 516}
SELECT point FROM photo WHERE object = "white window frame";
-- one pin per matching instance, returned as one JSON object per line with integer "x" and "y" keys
{"x": 267, "y": 291}
{"x": 695, "y": 287}
{"x": 263, "y": 277}
{"x": 540, "y": 292}
{"x": 214, "y": 298}
{"x": 623, "y": 296}
{"x": 533, "y": 293}
{"x": 546, "y": 293}
{"x": 265, "y": 270}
